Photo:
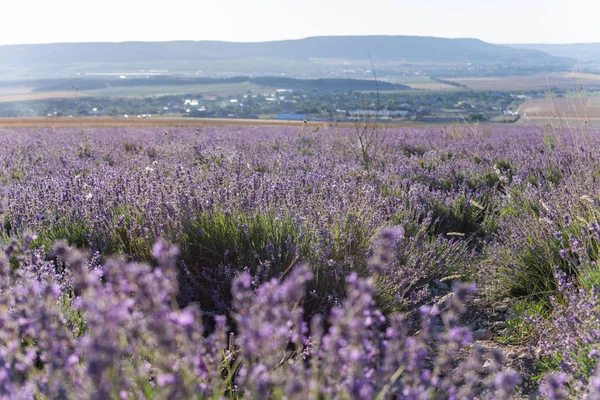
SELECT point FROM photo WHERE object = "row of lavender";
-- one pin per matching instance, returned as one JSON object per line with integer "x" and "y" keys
{"x": 513, "y": 209}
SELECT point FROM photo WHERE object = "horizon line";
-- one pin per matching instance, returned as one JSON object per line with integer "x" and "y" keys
{"x": 290, "y": 40}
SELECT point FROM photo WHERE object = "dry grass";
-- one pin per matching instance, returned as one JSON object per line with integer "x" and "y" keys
{"x": 8, "y": 90}
{"x": 431, "y": 86}
{"x": 562, "y": 111}
{"x": 9, "y": 96}
{"x": 533, "y": 82}
{"x": 563, "y": 107}
{"x": 582, "y": 77}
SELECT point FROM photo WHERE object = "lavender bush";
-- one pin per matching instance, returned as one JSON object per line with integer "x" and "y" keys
{"x": 295, "y": 271}
{"x": 111, "y": 330}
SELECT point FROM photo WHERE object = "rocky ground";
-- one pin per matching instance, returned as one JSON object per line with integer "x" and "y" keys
{"x": 491, "y": 332}
{"x": 490, "y": 323}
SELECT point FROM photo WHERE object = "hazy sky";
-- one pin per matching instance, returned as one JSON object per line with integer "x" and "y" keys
{"x": 497, "y": 21}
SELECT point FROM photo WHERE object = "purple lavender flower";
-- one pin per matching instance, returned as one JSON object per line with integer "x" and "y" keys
{"x": 553, "y": 386}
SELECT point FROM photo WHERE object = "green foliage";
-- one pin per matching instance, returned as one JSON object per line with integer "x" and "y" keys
{"x": 551, "y": 140}
{"x": 446, "y": 156}
{"x": 351, "y": 243}
{"x": 477, "y": 117}
{"x": 464, "y": 216}
{"x": 74, "y": 318}
{"x": 74, "y": 232}
{"x": 585, "y": 262}
{"x": 217, "y": 246}
{"x": 126, "y": 238}
{"x": 518, "y": 328}
{"x": 488, "y": 179}
{"x": 419, "y": 259}
{"x": 505, "y": 168}
{"x": 307, "y": 144}
{"x": 526, "y": 262}
{"x": 547, "y": 364}
{"x": 586, "y": 365}
{"x": 131, "y": 147}
{"x": 530, "y": 272}
{"x": 6, "y": 224}
{"x": 151, "y": 152}
{"x": 416, "y": 150}
{"x": 342, "y": 250}
{"x": 18, "y": 173}
{"x": 241, "y": 240}
{"x": 84, "y": 149}
{"x": 108, "y": 158}
{"x": 553, "y": 176}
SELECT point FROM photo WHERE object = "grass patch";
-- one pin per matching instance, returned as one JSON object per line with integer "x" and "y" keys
{"x": 217, "y": 246}
{"x": 241, "y": 240}
{"x": 125, "y": 238}
{"x": 518, "y": 328}
{"x": 74, "y": 232}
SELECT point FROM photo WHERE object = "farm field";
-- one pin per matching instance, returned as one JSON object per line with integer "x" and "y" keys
{"x": 563, "y": 107}
{"x": 16, "y": 94}
{"x": 431, "y": 86}
{"x": 422, "y": 83}
{"x": 206, "y": 90}
{"x": 9, "y": 95}
{"x": 301, "y": 261}
{"x": 563, "y": 80}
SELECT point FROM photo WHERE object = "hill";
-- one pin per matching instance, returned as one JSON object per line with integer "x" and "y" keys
{"x": 228, "y": 58}
{"x": 584, "y": 52}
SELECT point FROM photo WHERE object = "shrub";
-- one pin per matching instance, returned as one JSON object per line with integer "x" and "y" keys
{"x": 217, "y": 246}
{"x": 76, "y": 233}
{"x": 416, "y": 260}
{"x": 569, "y": 337}
{"x": 136, "y": 343}
{"x": 540, "y": 240}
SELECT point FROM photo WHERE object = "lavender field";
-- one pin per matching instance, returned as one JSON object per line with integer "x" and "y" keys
{"x": 300, "y": 263}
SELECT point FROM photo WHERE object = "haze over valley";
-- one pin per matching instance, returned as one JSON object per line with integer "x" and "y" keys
{"x": 320, "y": 78}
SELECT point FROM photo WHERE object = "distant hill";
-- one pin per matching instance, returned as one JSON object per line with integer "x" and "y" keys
{"x": 409, "y": 48}
{"x": 260, "y": 58}
{"x": 584, "y": 52}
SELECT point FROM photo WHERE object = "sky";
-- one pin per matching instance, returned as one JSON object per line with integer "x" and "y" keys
{"x": 497, "y": 21}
